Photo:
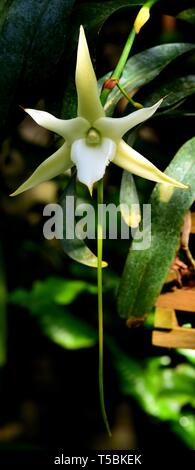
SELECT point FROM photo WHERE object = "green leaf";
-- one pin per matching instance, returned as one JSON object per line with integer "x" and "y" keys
{"x": 4, "y": 6}
{"x": 75, "y": 247}
{"x": 144, "y": 67}
{"x": 65, "y": 329}
{"x": 45, "y": 301}
{"x": 129, "y": 200}
{"x": 53, "y": 289}
{"x": 188, "y": 354}
{"x": 145, "y": 270}
{"x": 187, "y": 15}
{"x": 160, "y": 390}
{"x": 32, "y": 41}
{"x": 174, "y": 91}
{"x": 185, "y": 428}
{"x": 94, "y": 14}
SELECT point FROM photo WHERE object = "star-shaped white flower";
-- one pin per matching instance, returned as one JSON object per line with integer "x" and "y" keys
{"x": 92, "y": 140}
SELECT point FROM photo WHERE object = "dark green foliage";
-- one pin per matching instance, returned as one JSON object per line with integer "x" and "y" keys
{"x": 145, "y": 271}
{"x": 45, "y": 301}
{"x": 32, "y": 41}
{"x": 144, "y": 67}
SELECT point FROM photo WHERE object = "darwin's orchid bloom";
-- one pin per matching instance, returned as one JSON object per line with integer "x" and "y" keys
{"x": 92, "y": 140}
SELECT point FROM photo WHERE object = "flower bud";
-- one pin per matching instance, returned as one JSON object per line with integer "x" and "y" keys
{"x": 142, "y": 18}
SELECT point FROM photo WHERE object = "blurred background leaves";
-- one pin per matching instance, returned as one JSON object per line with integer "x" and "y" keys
{"x": 138, "y": 293}
{"x": 48, "y": 318}
{"x": 27, "y": 34}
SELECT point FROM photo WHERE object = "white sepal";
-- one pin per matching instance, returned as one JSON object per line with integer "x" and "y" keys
{"x": 58, "y": 163}
{"x": 130, "y": 160}
{"x": 115, "y": 128}
{"x": 89, "y": 105}
{"x": 69, "y": 129}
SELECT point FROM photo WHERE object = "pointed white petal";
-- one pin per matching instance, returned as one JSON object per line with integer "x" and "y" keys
{"x": 58, "y": 163}
{"x": 115, "y": 128}
{"x": 89, "y": 105}
{"x": 91, "y": 160}
{"x": 132, "y": 161}
{"x": 70, "y": 129}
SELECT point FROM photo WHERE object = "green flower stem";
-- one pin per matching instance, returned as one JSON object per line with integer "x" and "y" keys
{"x": 124, "y": 56}
{"x": 150, "y": 3}
{"x": 100, "y": 300}
{"x": 103, "y": 97}
{"x": 116, "y": 74}
{"x": 125, "y": 94}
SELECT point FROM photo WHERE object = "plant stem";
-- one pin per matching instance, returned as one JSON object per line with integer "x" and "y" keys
{"x": 125, "y": 94}
{"x": 100, "y": 300}
{"x": 116, "y": 74}
{"x": 124, "y": 56}
{"x": 103, "y": 97}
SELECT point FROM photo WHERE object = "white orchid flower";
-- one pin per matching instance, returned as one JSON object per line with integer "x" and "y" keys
{"x": 92, "y": 140}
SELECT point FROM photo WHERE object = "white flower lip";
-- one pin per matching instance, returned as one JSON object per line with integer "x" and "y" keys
{"x": 81, "y": 155}
{"x": 90, "y": 157}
